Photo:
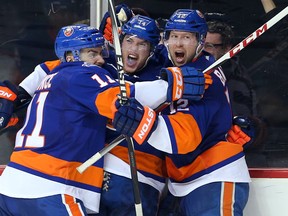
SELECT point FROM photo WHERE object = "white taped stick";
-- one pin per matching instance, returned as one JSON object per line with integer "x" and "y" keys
{"x": 248, "y": 40}
{"x": 123, "y": 100}
{"x": 100, "y": 154}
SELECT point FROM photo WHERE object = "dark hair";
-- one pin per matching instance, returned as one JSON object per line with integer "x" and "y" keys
{"x": 161, "y": 22}
{"x": 140, "y": 11}
{"x": 224, "y": 30}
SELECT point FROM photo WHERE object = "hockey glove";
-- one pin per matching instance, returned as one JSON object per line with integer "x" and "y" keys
{"x": 242, "y": 131}
{"x": 134, "y": 120}
{"x": 123, "y": 14}
{"x": 8, "y": 95}
{"x": 185, "y": 82}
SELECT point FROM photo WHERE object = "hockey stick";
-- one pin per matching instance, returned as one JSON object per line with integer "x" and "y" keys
{"x": 123, "y": 100}
{"x": 93, "y": 159}
{"x": 100, "y": 154}
{"x": 261, "y": 30}
{"x": 232, "y": 52}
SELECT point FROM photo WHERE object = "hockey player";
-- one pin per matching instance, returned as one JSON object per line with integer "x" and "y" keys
{"x": 140, "y": 63}
{"x": 199, "y": 159}
{"x": 65, "y": 125}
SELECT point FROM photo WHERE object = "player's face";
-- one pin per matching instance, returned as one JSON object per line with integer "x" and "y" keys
{"x": 92, "y": 56}
{"x": 135, "y": 52}
{"x": 182, "y": 47}
{"x": 213, "y": 45}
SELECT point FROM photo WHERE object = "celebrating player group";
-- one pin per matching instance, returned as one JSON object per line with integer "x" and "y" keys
{"x": 189, "y": 156}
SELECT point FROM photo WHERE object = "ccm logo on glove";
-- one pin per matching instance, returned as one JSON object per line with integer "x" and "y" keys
{"x": 145, "y": 125}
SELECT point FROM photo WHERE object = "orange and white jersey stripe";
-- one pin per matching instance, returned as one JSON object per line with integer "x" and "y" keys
{"x": 115, "y": 164}
{"x": 73, "y": 208}
{"x": 236, "y": 171}
{"x": 31, "y": 82}
{"x": 25, "y": 184}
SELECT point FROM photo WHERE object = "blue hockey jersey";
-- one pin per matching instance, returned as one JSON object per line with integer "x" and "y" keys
{"x": 65, "y": 125}
{"x": 193, "y": 136}
{"x": 150, "y": 161}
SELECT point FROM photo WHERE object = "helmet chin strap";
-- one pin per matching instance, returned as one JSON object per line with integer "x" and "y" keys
{"x": 199, "y": 49}
{"x": 151, "y": 54}
{"x": 169, "y": 56}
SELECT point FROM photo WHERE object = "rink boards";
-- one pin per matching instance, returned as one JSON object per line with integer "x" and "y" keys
{"x": 268, "y": 192}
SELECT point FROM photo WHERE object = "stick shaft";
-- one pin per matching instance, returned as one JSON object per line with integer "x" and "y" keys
{"x": 123, "y": 99}
{"x": 100, "y": 154}
{"x": 118, "y": 53}
{"x": 248, "y": 40}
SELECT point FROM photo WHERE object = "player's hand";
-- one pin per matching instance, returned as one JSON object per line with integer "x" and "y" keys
{"x": 242, "y": 131}
{"x": 8, "y": 95}
{"x": 134, "y": 120}
{"x": 123, "y": 14}
{"x": 185, "y": 82}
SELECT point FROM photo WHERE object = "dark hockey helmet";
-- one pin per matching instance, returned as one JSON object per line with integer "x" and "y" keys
{"x": 187, "y": 20}
{"x": 76, "y": 37}
{"x": 143, "y": 27}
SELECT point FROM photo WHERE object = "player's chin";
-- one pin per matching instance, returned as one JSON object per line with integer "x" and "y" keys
{"x": 179, "y": 63}
{"x": 130, "y": 70}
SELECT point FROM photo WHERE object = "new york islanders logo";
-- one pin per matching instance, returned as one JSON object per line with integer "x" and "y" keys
{"x": 68, "y": 31}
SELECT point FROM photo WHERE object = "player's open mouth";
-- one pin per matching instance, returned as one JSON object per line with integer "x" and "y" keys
{"x": 131, "y": 60}
{"x": 179, "y": 56}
